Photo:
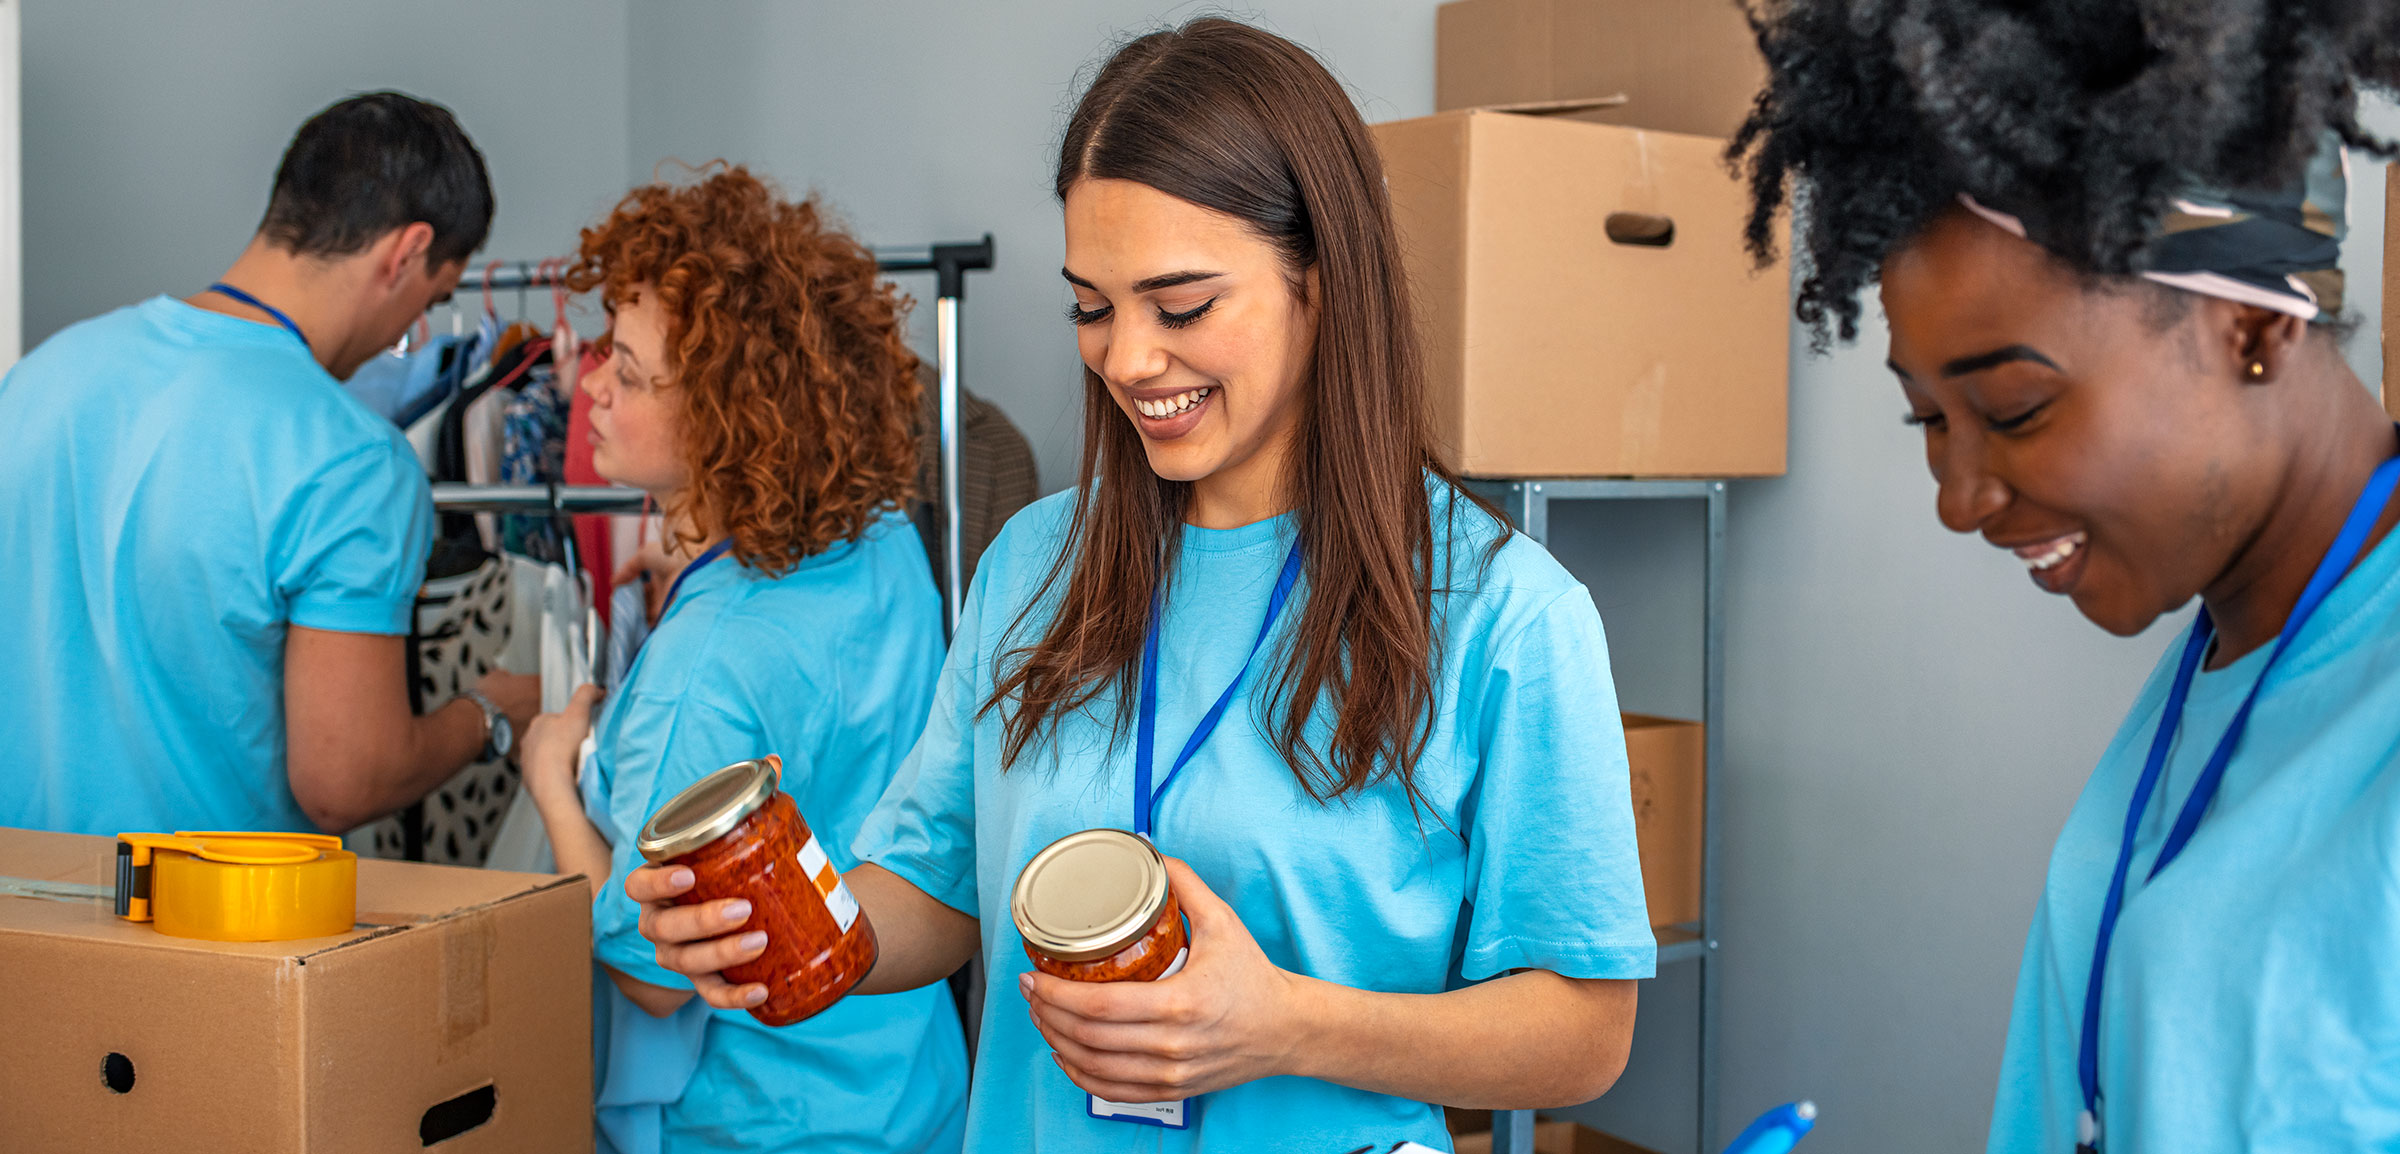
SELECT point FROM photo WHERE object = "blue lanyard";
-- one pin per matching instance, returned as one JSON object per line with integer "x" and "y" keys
{"x": 228, "y": 290}
{"x": 2346, "y": 548}
{"x": 1145, "y": 799}
{"x": 698, "y": 563}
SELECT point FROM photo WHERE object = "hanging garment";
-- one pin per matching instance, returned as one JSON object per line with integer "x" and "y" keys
{"x": 482, "y": 430}
{"x": 550, "y": 611}
{"x": 595, "y": 539}
{"x": 460, "y": 541}
{"x": 628, "y": 627}
{"x": 464, "y": 629}
{"x": 402, "y": 387}
{"x": 533, "y": 436}
{"x": 995, "y": 471}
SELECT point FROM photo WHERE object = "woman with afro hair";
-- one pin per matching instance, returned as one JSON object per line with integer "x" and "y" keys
{"x": 757, "y": 386}
{"x": 2105, "y": 234}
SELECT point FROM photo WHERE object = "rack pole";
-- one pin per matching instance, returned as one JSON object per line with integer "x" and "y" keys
{"x": 945, "y": 328}
{"x": 537, "y": 499}
{"x": 951, "y": 263}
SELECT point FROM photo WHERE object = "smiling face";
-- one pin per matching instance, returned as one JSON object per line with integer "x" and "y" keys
{"x": 2116, "y": 452}
{"x": 636, "y": 432}
{"x": 1195, "y": 326}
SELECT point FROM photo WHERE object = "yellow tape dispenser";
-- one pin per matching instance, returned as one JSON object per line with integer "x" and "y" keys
{"x": 237, "y": 887}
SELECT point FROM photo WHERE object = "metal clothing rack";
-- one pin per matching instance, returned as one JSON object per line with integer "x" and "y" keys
{"x": 1527, "y": 502}
{"x": 949, "y": 263}
{"x": 544, "y": 499}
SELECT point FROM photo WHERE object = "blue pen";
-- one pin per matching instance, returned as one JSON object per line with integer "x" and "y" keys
{"x": 1776, "y": 1131}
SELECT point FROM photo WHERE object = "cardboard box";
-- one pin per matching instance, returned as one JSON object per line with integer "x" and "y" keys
{"x": 1586, "y": 303}
{"x": 1670, "y": 798}
{"x": 1689, "y": 65}
{"x": 457, "y": 1017}
{"x": 1550, "y": 1138}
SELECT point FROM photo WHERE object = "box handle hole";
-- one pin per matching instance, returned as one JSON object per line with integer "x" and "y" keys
{"x": 1649, "y": 230}
{"x": 117, "y": 1071}
{"x": 447, "y": 1120}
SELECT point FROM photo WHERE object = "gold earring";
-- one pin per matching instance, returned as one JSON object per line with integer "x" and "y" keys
{"x": 2258, "y": 370}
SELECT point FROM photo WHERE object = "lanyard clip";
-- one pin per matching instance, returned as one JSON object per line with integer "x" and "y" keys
{"x": 2087, "y": 1133}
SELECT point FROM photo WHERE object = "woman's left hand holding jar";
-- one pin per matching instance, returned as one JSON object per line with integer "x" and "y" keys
{"x": 1227, "y": 1018}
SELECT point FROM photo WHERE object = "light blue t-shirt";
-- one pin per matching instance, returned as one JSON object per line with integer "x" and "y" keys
{"x": 178, "y": 488}
{"x": 1523, "y": 858}
{"x": 831, "y": 667}
{"x": 2252, "y": 1000}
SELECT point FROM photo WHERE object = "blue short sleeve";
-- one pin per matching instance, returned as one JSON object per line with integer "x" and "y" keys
{"x": 661, "y": 747}
{"x": 350, "y": 552}
{"x": 924, "y": 827}
{"x": 1554, "y": 879}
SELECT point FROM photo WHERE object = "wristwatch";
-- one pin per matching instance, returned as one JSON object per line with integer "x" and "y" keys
{"x": 498, "y": 735}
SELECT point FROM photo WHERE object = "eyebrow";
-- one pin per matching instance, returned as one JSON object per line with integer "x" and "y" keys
{"x": 1997, "y": 357}
{"x": 1150, "y": 284}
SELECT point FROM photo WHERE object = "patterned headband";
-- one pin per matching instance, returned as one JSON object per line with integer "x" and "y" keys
{"x": 2277, "y": 250}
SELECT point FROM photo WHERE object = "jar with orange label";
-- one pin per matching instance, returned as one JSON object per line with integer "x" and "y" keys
{"x": 742, "y": 837}
{"x": 1096, "y": 906}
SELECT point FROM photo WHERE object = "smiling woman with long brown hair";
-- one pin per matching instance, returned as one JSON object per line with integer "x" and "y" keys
{"x": 1374, "y": 729}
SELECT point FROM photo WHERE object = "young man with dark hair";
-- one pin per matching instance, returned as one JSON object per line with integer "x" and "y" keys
{"x": 218, "y": 549}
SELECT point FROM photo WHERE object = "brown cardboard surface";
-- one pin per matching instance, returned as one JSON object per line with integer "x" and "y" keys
{"x": 1670, "y": 794}
{"x": 1552, "y": 1138}
{"x": 329, "y": 1044}
{"x": 1688, "y": 65}
{"x": 2391, "y": 290}
{"x": 1553, "y": 349}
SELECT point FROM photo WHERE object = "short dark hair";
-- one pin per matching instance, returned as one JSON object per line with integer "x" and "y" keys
{"x": 374, "y": 163}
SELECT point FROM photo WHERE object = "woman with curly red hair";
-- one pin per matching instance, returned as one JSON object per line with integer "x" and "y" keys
{"x": 758, "y": 387}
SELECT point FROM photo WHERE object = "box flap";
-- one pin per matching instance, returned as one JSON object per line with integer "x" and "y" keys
{"x": 391, "y": 896}
{"x": 1556, "y": 107}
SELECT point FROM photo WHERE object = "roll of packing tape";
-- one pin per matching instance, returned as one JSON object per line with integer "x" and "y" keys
{"x": 238, "y": 887}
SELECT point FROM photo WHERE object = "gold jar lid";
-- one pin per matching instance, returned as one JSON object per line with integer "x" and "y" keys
{"x": 1089, "y": 894}
{"x": 709, "y": 808}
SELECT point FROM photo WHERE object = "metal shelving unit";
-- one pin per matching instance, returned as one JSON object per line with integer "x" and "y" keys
{"x": 1527, "y": 502}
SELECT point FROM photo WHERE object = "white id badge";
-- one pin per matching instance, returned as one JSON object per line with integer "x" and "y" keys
{"x": 1170, "y": 1115}
{"x": 1166, "y": 1114}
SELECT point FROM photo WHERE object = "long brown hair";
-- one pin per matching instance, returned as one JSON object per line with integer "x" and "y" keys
{"x": 799, "y": 394}
{"x": 1245, "y": 123}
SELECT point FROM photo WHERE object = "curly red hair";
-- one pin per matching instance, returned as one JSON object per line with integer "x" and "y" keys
{"x": 800, "y": 397}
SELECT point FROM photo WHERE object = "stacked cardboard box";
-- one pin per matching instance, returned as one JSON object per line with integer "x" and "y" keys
{"x": 1588, "y": 306}
{"x": 1689, "y": 66}
{"x": 457, "y": 1015}
{"x": 1471, "y": 1133}
{"x": 1670, "y": 792}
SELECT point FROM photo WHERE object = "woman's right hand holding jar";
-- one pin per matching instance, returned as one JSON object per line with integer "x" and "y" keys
{"x": 921, "y": 940}
{"x": 700, "y": 940}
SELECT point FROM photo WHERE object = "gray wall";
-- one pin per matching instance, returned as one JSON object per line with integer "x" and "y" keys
{"x": 1909, "y": 718}
{"x": 152, "y": 128}
{"x": 924, "y": 122}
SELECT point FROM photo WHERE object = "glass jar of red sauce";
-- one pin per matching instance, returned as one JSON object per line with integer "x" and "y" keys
{"x": 1095, "y": 906}
{"x": 742, "y": 837}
